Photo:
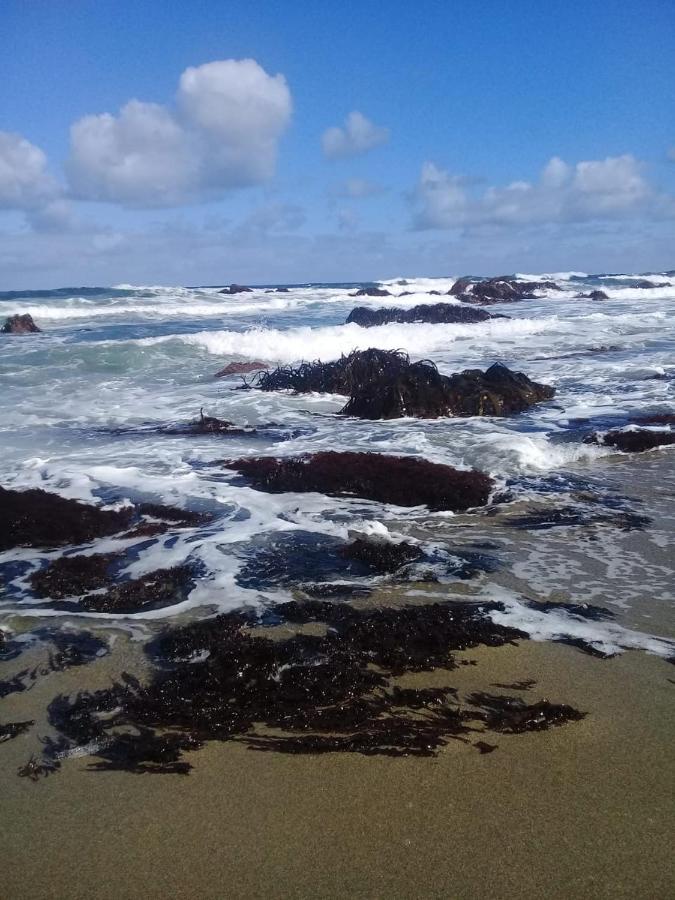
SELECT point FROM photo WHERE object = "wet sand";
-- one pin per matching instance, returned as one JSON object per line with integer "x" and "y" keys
{"x": 584, "y": 810}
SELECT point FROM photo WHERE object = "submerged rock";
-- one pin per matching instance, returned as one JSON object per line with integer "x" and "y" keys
{"x": 382, "y": 556}
{"x": 236, "y": 289}
{"x": 501, "y": 289}
{"x": 35, "y": 518}
{"x": 210, "y": 425}
{"x": 20, "y": 324}
{"x": 401, "y": 480}
{"x": 240, "y": 368}
{"x": 384, "y": 384}
{"x": 163, "y": 587}
{"x": 371, "y": 292}
{"x": 593, "y": 295}
{"x": 436, "y": 313}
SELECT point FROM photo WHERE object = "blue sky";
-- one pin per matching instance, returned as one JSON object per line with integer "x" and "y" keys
{"x": 473, "y": 137}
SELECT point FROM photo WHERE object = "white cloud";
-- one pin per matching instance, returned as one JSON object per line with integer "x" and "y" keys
{"x": 614, "y": 187}
{"x": 25, "y": 183}
{"x": 358, "y": 135}
{"x": 223, "y": 134}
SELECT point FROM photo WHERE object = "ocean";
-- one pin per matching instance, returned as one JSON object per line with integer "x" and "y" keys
{"x": 92, "y": 409}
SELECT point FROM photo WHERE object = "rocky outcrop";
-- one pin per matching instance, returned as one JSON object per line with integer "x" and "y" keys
{"x": 384, "y": 384}
{"x": 371, "y": 292}
{"x": 498, "y": 290}
{"x": 240, "y": 368}
{"x": 20, "y": 324}
{"x": 436, "y": 313}
{"x": 400, "y": 480}
{"x": 236, "y": 289}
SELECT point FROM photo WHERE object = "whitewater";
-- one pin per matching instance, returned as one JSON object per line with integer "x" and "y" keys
{"x": 88, "y": 406}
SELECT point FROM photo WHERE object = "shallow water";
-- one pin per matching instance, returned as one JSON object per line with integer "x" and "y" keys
{"x": 82, "y": 405}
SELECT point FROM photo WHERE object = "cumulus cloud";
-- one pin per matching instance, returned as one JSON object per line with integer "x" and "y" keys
{"x": 25, "y": 183}
{"x": 223, "y": 133}
{"x": 356, "y": 136}
{"x": 614, "y": 187}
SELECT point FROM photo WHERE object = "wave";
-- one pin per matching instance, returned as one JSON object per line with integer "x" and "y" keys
{"x": 330, "y": 342}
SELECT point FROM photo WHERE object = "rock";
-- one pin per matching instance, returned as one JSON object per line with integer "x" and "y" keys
{"x": 371, "y": 292}
{"x": 435, "y": 313}
{"x": 384, "y": 384}
{"x": 35, "y": 518}
{"x": 381, "y": 555}
{"x": 240, "y": 368}
{"x": 498, "y": 290}
{"x": 594, "y": 295}
{"x": 633, "y": 440}
{"x": 643, "y": 284}
{"x": 236, "y": 289}
{"x": 20, "y": 324}
{"x": 400, "y": 480}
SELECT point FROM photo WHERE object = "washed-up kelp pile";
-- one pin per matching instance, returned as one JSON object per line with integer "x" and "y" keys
{"x": 401, "y": 480}
{"x": 434, "y": 313}
{"x": 223, "y": 679}
{"x": 384, "y": 384}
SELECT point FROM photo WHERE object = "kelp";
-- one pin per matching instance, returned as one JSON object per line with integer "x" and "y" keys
{"x": 222, "y": 679}
{"x": 384, "y": 384}
{"x": 400, "y": 480}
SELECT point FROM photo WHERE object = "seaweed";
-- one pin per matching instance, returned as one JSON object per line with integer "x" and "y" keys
{"x": 400, "y": 480}
{"x": 382, "y": 556}
{"x": 10, "y": 730}
{"x": 384, "y": 384}
{"x": 511, "y": 715}
{"x": 36, "y": 518}
{"x": 70, "y": 576}
{"x": 157, "y": 589}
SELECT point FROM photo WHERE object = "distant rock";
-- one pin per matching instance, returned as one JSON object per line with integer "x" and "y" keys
{"x": 498, "y": 290}
{"x": 240, "y": 368}
{"x": 643, "y": 284}
{"x": 371, "y": 292}
{"x": 436, "y": 313}
{"x": 236, "y": 289}
{"x": 20, "y": 324}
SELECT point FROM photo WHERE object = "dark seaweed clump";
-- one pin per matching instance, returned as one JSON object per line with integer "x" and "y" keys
{"x": 218, "y": 680}
{"x": 435, "y": 313}
{"x": 86, "y": 576}
{"x": 382, "y": 556}
{"x": 10, "y": 730}
{"x": 401, "y": 480}
{"x": 384, "y": 384}
{"x": 35, "y": 518}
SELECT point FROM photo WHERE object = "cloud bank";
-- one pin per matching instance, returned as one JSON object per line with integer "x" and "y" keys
{"x": 611, "y": 188}
{"x": 356, "y": 136}
{"x": 222, "y": 133}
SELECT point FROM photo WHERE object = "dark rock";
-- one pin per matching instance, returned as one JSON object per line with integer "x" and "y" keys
{"x": 371, "y": 292}
{"x": 36, "y": 518}
{"x": 404, "y": 481}
{"x": 657, "y": 419}
{"x": 236, "y": 289}
{"x": 498, "y": 290}
{"x": 436, "y": 313}
{"x": 384, "y": 384}
{"x": 240, "y": 368}
{"x": 19, "y": 325}
{"x": 598, "y": 295}
{"x": 643, "y": 284}
{"x": 635, "y": 440}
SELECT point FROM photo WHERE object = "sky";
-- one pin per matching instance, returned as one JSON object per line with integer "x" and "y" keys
{"x": 154, "y": 142}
